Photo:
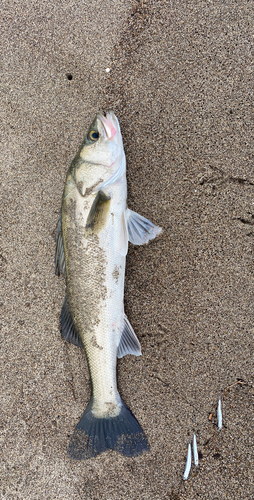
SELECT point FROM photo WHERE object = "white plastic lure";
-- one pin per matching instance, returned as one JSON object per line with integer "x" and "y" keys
{"x": 219, "y": 415}
{"x": 188, "y": 464}
{"x": 195, "y": 450}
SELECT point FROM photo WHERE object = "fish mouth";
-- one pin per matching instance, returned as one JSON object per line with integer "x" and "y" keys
{"x": 108, "y": 127}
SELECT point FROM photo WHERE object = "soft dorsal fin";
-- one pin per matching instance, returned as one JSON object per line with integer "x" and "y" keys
{"x": 59, "y": 254}
{"x": 140, "y": 229}
{"x": 129, "y": 343}
{"x": 67, "y": 326}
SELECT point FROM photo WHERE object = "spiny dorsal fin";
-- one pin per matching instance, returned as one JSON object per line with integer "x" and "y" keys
{"x": 129, "y": 343}
{"x": 59, "y": 254}
{"x": 140, "y": 229}
{"x": 98, "y": 213}
{"x": 67, "y": 326}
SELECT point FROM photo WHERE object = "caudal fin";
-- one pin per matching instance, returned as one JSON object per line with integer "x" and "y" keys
{"x": 94, "y": 435}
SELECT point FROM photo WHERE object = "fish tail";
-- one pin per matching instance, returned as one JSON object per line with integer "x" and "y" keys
{"x": 94, "y": 435}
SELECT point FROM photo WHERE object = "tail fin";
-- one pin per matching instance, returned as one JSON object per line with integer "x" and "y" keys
{"x": 94, "y": 435}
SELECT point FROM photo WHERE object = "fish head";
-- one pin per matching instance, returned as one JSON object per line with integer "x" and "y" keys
{"x": 103, "y": 144}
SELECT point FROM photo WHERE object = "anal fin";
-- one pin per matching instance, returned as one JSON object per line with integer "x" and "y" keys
{"x": 68, "y": 330}
{"x": 129, "y": 343}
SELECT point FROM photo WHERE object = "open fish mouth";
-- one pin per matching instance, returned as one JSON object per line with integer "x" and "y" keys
{"x": 109, "y": 129}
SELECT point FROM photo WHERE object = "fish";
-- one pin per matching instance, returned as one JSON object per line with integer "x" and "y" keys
{"x": 94, "y": 228}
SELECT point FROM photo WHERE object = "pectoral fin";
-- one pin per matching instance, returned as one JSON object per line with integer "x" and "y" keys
{"x": 140, "y": 229}
{"x": 129, "y": 343}
{"x": 98, "y": 213}
{"x": 68, "y": 329}
{"x": 59, "y": 254}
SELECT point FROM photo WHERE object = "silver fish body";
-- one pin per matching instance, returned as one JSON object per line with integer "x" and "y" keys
{"x": 92, "y": 243}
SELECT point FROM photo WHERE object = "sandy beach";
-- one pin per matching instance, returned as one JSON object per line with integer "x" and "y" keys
{"x": 180, "y": 81}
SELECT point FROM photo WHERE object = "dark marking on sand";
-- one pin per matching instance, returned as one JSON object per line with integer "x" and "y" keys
{"x": 245, "y": 221}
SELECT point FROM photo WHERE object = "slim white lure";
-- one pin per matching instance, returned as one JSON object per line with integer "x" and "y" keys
{"x": 188, "y": 464}
{"x": 195, "y": 450}
{"x": 219, "y": 415}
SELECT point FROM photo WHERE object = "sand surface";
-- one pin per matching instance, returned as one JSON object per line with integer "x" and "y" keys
{"x": 181, "y": 83}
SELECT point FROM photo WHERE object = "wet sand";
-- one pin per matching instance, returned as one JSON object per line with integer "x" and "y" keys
{"x": 181, "y": 83}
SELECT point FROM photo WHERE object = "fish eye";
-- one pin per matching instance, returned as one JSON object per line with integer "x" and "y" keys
{"x": 93, "y": 135}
